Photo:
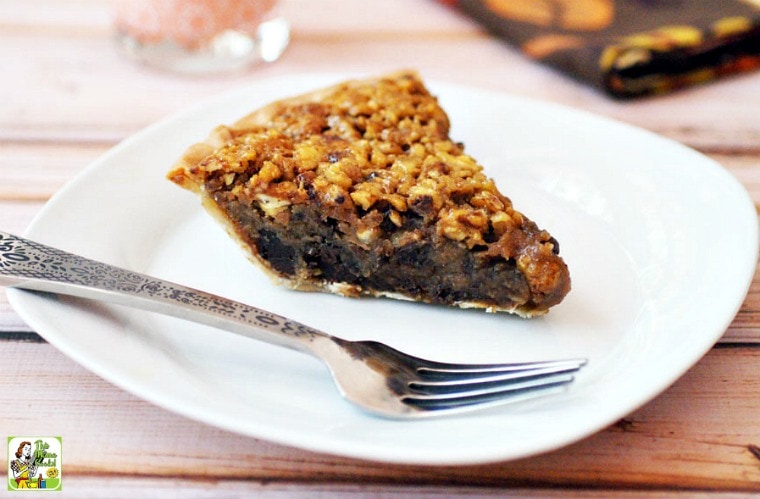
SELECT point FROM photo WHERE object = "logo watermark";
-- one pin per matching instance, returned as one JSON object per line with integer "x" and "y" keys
{"x": 34, "y": 463}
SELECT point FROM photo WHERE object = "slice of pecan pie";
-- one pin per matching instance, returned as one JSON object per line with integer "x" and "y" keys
{"x": 357, "y": 189}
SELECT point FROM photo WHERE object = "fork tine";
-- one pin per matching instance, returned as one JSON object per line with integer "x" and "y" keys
{"x": 442, "y": 386}
{"x": 442, "y": 371}
{"x": 453, "y": 382}
{"x": 478, "y": 395}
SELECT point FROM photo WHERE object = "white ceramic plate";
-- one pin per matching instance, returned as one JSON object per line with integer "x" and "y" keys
{"x": 661, "y": 243}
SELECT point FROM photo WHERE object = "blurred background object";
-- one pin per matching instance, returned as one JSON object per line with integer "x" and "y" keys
{"x": 628, "y": 48}
{"x": 201, "y": 36}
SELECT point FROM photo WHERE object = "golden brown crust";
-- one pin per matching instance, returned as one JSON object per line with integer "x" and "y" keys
{"x": 372, "y": 154}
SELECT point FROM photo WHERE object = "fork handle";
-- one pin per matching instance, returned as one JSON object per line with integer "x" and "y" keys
{"x": 33, "y": 266}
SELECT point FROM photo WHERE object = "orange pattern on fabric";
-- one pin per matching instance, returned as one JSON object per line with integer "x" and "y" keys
{"x": 576, "y": 15}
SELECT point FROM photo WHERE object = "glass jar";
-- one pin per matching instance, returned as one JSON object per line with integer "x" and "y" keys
{"x": 201, "y": 36}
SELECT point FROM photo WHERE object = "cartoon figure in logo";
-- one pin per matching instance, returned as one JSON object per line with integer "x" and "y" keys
{"x": 23, "y": 467}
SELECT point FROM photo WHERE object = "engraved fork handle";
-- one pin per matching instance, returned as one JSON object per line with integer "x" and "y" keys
{"x": 33, "y": 266}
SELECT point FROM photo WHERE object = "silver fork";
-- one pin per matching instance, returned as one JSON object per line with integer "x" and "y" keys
{"x": 376, "y": 377}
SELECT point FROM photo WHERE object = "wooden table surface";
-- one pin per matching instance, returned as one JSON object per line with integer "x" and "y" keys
{"x": 68, "y": 96}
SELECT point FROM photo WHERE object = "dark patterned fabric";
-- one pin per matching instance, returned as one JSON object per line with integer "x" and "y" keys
{"x": 629, "y": 48}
